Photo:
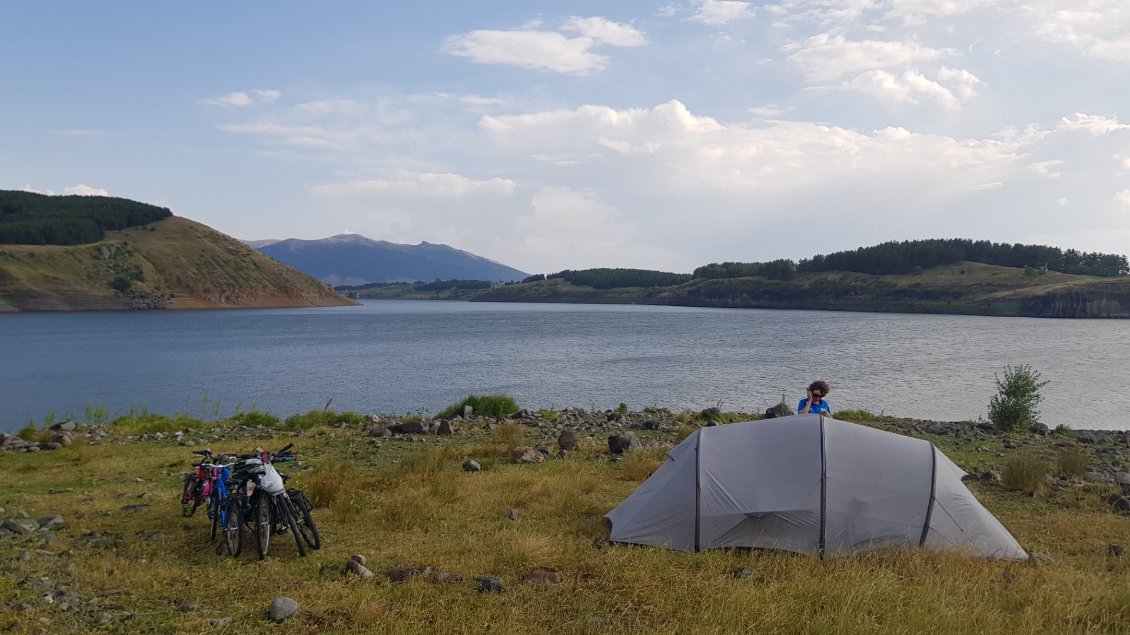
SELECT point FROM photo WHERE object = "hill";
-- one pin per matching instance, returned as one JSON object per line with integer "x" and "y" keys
{"x": 171, "y": 263}
{"x": 961, "y": 288}
{"x": 350, "y": 259}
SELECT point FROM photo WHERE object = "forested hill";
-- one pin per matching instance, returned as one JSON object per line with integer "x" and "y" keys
{"x": 27, "y": 218}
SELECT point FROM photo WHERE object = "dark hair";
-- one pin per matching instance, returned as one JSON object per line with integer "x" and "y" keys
{"x": 820, "y": 385}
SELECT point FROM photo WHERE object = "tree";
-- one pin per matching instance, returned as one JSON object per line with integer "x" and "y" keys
{"x": 1018, "y": 393}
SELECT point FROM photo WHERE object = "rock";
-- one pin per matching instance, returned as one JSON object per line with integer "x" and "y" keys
{"x": 1122, "y": 504}
{"x": 404, "y": 573}
{"x": 1122, "y": 478}
{"x": 380, "y": 431}
{"x": 220, "y": 622}
{"x": 743, "y": 573}
{"x": 20, "y": 525}
{"x": 471, "y": 465}
{"x": 64, "y": 440}
{"x": 468, "y": 412}
{"x": 50, "y": 446}
{"x": 105, "y": 618}
{"x": 528, "y": 455}
{"x": 356, "y": 568}
{"x": 544, "y": 449}
{"x": 444, "y": 429}
{"x": 780, "y": 410}
{"x": 1096, "y": 477}
{"x": 135, "y": 508}
{"x": 282, "y": 608}
{"x": 51, "y": 521}
{"x": 444, "y": 577}
{"x": 186, "y": 606}
{"x": 1114, "y": 550}
{"x": 489, "y": 583}
{"x": 567, "y": 440}
{"x": 63, "y": 426}
{"x": 621, "y": 443}
{"x": 407, "y": 428}
{"x": 600, "y": 543}
{"x": 992, "y": 475}
{"x": 360, "y": 559}
{"x": 1039, "y": 558}
{"x": 511, "y": 513}
{"x": 541, "y": 576}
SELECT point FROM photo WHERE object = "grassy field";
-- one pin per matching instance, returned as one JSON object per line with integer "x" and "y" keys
{"x": 408, "y": 503}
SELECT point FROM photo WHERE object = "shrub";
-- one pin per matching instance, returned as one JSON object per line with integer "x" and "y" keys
{"x": 316, "y": 418}
{"x": 622, "y": 408}
{"x": 497, "y": 406}
{"x": 1063, "y": 431}
{"x": 28, "y": 432}
{"x": 858, "y": 416}
{"x": 1025, "y": 471}
{"x": 145, "y": 423}
{"x": 255, "y": 418}
{"x": 1072, "y": 461}
{"x": 1018, "y": 393}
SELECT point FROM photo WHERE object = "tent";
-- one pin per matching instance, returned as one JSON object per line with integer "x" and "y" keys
{"x": 808, "y": 484}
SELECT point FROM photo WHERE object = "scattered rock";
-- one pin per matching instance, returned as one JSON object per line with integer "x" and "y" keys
{"x": 1096, "y": 477}
{"x": 51, "y": 521}
{"x": 780, "y": 410}
{"x": 1114, "y": 550}
{"x": 359, "y": 558}
{"x": 1121, "y": 503}
{"x": 992, "y": 475}
{"x": 471, "y": 465}
{"x": 744, "y": 573}
{"x": 356, "y": 568}
{"x": 512, "y": 513}
{"x": 404, "y": 573}
{"x": 20, "y": 525}
{"x": 528, "y": 455}
{"x": 621, "y": 443}
{"x": 489, "y": 583}
{"x": 444, "y": 429}
{"x": 1039, "y": 558}
{"x": 567, "y": 440}
{"x": 282, "y": 608}
{"x": 220, "y": 622}
{"x": 135, "y": 508}
{"x": 444, "y": 577}
{"x": 380, "y": 431}
{"x": 186, "y": 606}
{"x": 600, "y": 543}
{"x": 414, "y": 427}
{"x": 541, "y": 576}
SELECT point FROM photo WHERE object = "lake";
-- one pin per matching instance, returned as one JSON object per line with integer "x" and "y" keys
{"x": 397, "y": 357}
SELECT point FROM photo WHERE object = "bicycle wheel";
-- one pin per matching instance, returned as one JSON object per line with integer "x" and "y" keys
{"x": 232, "y": 514}
{"x": 261, "y": 512}
{"x": 214, "y": 514}
{"x": 189, "y": 496}
{"x": 306, "y": 525}
{"x": 290, "y": 517}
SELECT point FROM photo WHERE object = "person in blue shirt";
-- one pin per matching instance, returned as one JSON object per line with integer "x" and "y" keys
{"x": 814, "y": 403}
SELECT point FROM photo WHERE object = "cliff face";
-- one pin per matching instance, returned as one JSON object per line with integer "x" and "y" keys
{"x": 173, "y": 263}
{"x": 1078, "y": 305}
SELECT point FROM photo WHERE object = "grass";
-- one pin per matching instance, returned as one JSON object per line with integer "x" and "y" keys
{"x": 1026, "y": 471}
{"x": 410, "y": 504}
{"x": 496, "y": 406}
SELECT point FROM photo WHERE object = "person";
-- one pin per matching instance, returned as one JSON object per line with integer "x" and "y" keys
{"x": 815, "y": 403}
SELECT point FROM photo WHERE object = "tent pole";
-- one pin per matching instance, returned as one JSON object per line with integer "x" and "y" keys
{"x": 823, "y": 490}
{"x": 697, "y": 491}
{"x": 933, "y": 484}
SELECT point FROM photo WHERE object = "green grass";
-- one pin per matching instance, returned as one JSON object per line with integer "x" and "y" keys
{"x": 497, "y": 406}
{"x": 146, "y": 423}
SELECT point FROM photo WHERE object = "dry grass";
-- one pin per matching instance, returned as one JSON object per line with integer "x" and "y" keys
{"x": 414, "y": 506}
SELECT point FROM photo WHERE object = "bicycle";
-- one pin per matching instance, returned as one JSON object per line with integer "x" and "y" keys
{"x": 223, "y": 511}
{"x": 270, "y": 507}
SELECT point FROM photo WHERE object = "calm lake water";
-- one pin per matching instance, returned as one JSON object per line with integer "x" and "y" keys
{"x": 396, "y": 357}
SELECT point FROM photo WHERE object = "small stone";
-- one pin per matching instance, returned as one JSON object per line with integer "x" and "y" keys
{"x": 404, "y": 573}
{"x": 1114, "y": 550}
{"x": 528, "y": 455}
{"x": 511, "y": 513}
{"x": 359, "y": 558}
{"x": 356, "y": 568}
{"x": 282, "y": 608}
{"x": 186, "y": 606}
{"x": 105, "y": 618}
{"x": 489, "y": 583}
{"x": 444, "y": 577}
{"x": 51, "y": 521}
{"x": 471, "y": 465}
{"x": 744, "y": 573}
{"x": 135, "y": 508}
{"x": 220, "y": 622}
{"x": 541, "y": 576}
{"x": 600, "y": 543}
{"x": 1039, "y": 558}
{"x": 1008, "y": 576}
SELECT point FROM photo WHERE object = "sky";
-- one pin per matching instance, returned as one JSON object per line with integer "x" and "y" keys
{"x": 573, "y": 134}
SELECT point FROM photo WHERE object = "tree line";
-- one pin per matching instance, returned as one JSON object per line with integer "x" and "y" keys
{"x": 615, "y": 278}
{"x": 27, "y": 218}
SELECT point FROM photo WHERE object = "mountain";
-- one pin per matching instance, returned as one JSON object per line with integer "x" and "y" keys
{"x": 350, "y": 259}
{"x": 171, "y": 263}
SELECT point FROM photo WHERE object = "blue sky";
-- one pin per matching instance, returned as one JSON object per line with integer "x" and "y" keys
{"x": 554, "y": 135}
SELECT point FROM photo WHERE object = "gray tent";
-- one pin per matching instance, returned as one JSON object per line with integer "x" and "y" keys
{"x": 808, "y": 484}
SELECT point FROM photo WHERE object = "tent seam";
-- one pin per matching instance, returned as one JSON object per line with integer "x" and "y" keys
{"x": 823, "y": 491}
{"x": 933, "y": 486}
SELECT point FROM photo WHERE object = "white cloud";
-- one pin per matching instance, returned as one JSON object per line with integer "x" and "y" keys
{"x": 1098, "y": 29}
{"x": 911, "y": 87}
{"x": 607, "y": 31}
{"x": 1062, "y": 201}
{"x": 1123, "y": 197}
{"x": 543, "y": 50}
{"x": 830, "y": 56}
{"x": 1096, "y": 125}
{"x": 85, "y": 190}
{"x": 1048, "y": 169}
{"x": 419, "y": 186}
{"x": 241, "y": 99}
{"x": 719, "y": 12}
{"x": 768, "y": 111}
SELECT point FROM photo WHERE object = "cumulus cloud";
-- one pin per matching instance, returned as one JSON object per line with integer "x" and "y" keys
{"x": 74, "y": 190}
{"x": 543, "y": 50}
{"x": 829, "y": 56}
{"x": 241, "y": 99}
{"x": 719, "y": 12}
{"x": 911, "y": 87}
{"x": 1098, "y": 29}
{"x": 1096, "y": 125}
{"x": 1123, "y": 197}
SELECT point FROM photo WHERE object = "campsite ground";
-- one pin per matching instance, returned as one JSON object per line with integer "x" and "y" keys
{"x": 125, "y": 560}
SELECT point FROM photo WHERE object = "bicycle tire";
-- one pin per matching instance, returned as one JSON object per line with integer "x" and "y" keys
{"x": 214, "y": 514}
{"x": 232, "y": 514}
{"x": 290, "y": 517}
{"x": 262, "y": 516}
{"x": 189, "y": 500}
{"x": 306, "y": 524}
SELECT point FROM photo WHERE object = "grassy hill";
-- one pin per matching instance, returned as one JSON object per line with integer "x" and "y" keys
{"x": 962, "y": 288}
{"x": 175, "y": 263}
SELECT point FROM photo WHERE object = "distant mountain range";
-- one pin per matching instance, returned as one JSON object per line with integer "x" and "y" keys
{"x": 351, "y": 259}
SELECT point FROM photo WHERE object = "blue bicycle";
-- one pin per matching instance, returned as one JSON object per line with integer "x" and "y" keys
{"x": 224, "y": 512}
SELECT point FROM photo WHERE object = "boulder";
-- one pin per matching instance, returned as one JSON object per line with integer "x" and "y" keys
{"x": 621, "y": 443}
{"x": 471, "y": 465}
{"x": 405, "y": 573}
{"x": 780, "y": 410}
{"x": 489, "y": 583}
{"x": 528, "y": 455}
{"x": 380, "y": 432}
{"x": 64, "y": 426}
{"x": 541, "y": 576}
{"x": 408, "y": 428}
{"x": 567, "y": 440}
{"x": 356, "y": 568}
{"x": 444, "y": 429}
{"x": 282, "y": 608}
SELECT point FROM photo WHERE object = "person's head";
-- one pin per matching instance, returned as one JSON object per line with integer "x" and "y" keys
{"x": 819, "y": 389}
